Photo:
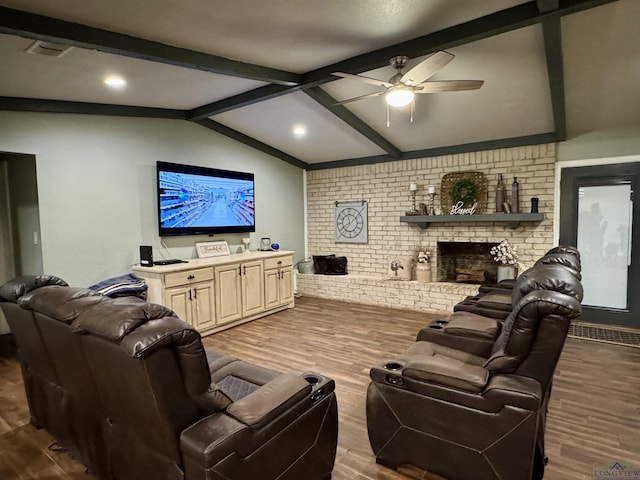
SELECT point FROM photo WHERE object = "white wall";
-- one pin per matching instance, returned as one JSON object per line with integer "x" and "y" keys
{"x": 601, "y": 144}
{"x": 96, "y": 186}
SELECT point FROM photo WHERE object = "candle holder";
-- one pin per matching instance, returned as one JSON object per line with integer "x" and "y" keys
{"x": 413, "y": 188}
{"x": 432, "y": 205}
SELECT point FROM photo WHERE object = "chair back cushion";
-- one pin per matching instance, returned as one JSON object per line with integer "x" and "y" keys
{"x": 14, "y": 289}
{"x": 552, "y": 277}
{"x": 533, "y": 336}
{"x": 569, "y": 261}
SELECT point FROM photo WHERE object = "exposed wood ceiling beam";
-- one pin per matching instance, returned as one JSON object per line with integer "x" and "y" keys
{"x": 439, "y": 151}
{"x": 16, "y": 104}
{"x": 545, "y": 6}
{"x": 552, "y": 33}
{"x": 340, "y": 111}
{"x": 39, "y": 27}
{"x": 242, "y": 100}
{"x": 251, "y": 142}
{"x": 494, "y": 24}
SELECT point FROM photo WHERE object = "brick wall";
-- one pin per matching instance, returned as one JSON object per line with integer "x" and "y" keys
{"x": 386, "y": 188}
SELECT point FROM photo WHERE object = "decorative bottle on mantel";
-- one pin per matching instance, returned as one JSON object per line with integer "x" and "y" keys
{"x": 515, "y": 196}
{"x": 500, "y": 195}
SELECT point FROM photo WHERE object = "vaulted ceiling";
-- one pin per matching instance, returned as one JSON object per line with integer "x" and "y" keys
{"x": 253, "y": 70}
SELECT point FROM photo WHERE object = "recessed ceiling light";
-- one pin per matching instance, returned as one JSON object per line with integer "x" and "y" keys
{"x": 114, "y": 81}
{"x": 299, "y": 131}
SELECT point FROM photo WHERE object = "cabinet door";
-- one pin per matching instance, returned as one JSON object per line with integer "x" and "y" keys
{"x": 252, "y": 288}
{"x": 177, "y": 299}
{"x": 228, "y": 293}
{"x": 271, "y": 288}
{"x": 202, "y": 302}
{"x": 286, "y": 286}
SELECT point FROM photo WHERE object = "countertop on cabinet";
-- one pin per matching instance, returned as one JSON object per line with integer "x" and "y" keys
{"x": 212, "y": 261}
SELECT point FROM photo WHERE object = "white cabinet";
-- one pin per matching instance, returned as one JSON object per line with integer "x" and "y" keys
{"x": 278, "y": 281}
{"x": 190, "y": 295}
{"x": 215, "y": 293}
{"x": 228, "y": 293}
{"x": 252, "y": 288}
{"x": 239, "y": 290}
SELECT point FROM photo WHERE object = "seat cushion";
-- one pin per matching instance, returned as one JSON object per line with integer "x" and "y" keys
{"x": 467, "y": 324}
{"x": 420, "y": 350}
{"x": 496, "y": 300}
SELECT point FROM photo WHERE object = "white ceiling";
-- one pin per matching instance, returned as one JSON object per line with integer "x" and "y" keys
{"x": 600, "y": 53}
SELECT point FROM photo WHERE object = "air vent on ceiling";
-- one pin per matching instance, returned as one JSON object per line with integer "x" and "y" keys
{"x": 48, "y": 49}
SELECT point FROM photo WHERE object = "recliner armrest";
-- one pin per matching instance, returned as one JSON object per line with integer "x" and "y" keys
{"x": 447, "y": 371}
{"x": 514, "y": 390}
{"x": 241, "y": 430}
{"x": 268, "y": 401}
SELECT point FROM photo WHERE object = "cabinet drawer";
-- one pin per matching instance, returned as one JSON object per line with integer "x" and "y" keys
{"x": 188, "y": 276}
{"x": 278, "y": 262}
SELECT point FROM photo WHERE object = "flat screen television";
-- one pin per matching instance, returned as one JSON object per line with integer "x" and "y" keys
{"x": 198, "y": 200}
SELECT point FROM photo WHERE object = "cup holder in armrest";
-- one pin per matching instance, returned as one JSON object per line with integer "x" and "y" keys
{"x": 392, "y": 366}
{"x": 318, "y": 385}
{"x": 438, "y": 324}
{"x": 312, "y": 379}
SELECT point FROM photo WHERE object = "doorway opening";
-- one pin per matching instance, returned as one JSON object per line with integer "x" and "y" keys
{"x": 20, "y": 239}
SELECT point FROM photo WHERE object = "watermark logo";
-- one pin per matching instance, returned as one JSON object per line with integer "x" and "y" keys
{"x": 617, "y": 470}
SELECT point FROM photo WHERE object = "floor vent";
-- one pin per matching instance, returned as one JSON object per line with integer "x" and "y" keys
{"x": 48, "y": 49}
{"x": 628, "y": 337}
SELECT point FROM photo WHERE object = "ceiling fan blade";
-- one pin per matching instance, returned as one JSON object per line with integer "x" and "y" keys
{"x": 370, "y": 95}
{"x": 426, "y": 68}
{"x": 372, "y": 81}
{"x": 448, "y": 86}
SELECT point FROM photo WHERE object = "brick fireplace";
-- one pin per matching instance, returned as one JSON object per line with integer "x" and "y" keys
{"x": 385, "y": 186}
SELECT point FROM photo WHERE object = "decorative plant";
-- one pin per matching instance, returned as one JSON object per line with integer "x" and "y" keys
{"x": 424, "y": 256}
{"x": 464, "y": 190}
{"x": 505, "y": 253}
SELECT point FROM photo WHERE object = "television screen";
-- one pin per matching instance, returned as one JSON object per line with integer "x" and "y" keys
{"x": 198, "y": 200}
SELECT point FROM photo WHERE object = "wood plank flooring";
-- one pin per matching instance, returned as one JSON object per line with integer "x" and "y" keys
{"x": 594, "y": 413}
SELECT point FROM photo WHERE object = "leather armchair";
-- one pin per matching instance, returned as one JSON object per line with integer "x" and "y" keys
{"x": 37, "y": 370}
{"x": 130, "y": 391}
{"x": 476, "y": 333}
{"x": 462, "y": 415}
{"x": 496, "y": 302}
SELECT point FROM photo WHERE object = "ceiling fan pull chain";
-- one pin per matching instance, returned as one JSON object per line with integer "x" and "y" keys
{"x": 413, "y": 108}
{"x": 387, "y": 115}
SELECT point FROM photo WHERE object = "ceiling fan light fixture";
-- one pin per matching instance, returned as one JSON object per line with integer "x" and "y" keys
{"x": 399, "y": 96}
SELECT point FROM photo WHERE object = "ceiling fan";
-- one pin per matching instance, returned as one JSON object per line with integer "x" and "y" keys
{"x": 400, "y": 90}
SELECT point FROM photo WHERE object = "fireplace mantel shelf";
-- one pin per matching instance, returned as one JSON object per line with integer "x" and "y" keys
{"x": 511, "y": 219}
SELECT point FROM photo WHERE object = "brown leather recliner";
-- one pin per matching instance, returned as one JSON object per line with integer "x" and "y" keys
{"x": 508, "y": 284}
{"x": 476, "y": 333}
{"x": 129, "y": 390}
{"x": 38, "y": 373}
{"x": 496, "y": 302}
{"x": 464, "y": 415}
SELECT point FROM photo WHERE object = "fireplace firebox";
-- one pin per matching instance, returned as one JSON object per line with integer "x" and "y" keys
{"x": 466, "y": 262}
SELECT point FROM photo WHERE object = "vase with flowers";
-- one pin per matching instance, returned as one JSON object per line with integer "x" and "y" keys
{"x": 506, "y": 255}
{"x": 423, "y": 268}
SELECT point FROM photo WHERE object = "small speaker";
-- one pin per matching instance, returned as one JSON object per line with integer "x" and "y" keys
{"x": 146, "y": 256}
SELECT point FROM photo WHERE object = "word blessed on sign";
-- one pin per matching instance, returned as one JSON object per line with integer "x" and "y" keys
{"x": 458, "y": 209}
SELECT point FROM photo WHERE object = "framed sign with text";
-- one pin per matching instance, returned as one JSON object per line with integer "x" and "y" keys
{"x": 212, "y": 249}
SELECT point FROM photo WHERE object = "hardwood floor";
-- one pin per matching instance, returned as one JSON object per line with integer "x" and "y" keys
{"x": 594, "y": 414}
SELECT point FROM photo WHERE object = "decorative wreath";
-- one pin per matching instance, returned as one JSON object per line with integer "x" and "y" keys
{"x": 465, "y": 191}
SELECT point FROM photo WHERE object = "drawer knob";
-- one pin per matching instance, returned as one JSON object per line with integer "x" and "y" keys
{"x": 279, "y": 262}
{"x": 191, "y": 277}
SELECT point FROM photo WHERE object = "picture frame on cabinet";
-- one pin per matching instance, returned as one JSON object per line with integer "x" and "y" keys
{"x": 212, "y": 249}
